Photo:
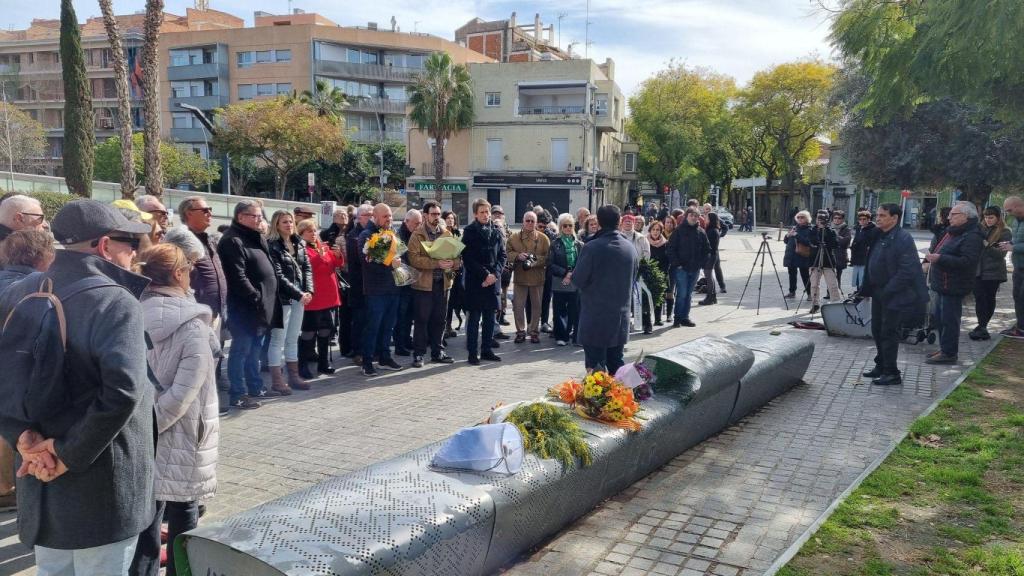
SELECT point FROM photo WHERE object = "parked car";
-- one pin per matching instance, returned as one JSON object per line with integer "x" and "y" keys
{"x": 726, "y": 218}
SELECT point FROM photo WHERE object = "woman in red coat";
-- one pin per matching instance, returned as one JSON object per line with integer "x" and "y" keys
{"x": 318, "y": 321}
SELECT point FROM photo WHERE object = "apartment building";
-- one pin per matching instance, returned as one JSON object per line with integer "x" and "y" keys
{"x": 510, "y": 41}
{"x": 546, "y": 132}
{"x": 285, "y": 53}
{"x": 30, "y": 72}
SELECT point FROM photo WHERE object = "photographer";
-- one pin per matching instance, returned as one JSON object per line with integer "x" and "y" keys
{"x": 528, "y": 251}
{"x": 798, "y": 251}
{"x": 823, "y": 261}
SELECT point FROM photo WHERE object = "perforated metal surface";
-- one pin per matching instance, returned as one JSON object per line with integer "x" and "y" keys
{"x": 401, "y": 517}
{"x": 780, "y": 363}
{"x": 716, "y": 363}
{"x": 395, "y": 517}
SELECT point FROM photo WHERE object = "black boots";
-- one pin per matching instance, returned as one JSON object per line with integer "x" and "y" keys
{"x": 306, "y": 355}
{"x": 323, "y": 351}
{"x": 709, "y": 299}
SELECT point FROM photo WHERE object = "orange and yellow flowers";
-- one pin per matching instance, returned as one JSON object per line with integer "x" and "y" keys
{"x": 600, "y": 397}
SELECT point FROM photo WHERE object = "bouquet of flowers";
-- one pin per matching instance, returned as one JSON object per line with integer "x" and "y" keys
{"x": 600, "y": 397}
{"x": 383, "y": 247}
{"x": 638, "y": 376}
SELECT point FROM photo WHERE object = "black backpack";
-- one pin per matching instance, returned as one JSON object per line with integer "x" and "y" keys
{"x": 34, "y": 342}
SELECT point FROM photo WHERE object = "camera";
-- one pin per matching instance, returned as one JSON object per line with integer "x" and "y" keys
{"x": 529, "y": 262}
{"x": 764, "y": 235}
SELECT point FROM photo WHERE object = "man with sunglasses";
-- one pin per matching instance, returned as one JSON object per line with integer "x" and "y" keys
{"x": 88, "y": 491}
{"x": 20, "y": 212}
{"x": 207, "y": 276}
{"x": 154, "y": 207}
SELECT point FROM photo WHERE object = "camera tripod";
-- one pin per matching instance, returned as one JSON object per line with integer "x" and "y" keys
{"x": 765, "y": 249}
{"x": 819, "y": 264}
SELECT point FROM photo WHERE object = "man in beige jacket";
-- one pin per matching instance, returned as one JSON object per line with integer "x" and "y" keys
{"x": 528, "y": 253}
{"x": 430, "y": 291}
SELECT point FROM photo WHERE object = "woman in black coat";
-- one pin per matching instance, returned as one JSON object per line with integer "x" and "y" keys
{"x": 294, "y": 291}
{"x": 456, "y": 295}
{"x": 864, "y": 238}
{"x": 991, "y": 271}
{"x": 659, "y": 253}
{"x": 714, "y": 237}
{"x": 565, "y": 250}
{"x": 799, "y": 236}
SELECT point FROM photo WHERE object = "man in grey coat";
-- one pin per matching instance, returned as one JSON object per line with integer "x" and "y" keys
{"x": 604, "y": 275}
{"x": 86, "y": 490}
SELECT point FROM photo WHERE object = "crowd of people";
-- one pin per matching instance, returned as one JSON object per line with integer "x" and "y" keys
{"x": 118, "y": 429}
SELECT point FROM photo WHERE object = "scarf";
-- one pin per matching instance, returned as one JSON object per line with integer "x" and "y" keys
{"x": 570, "y": 251}
{"x": 657, "y": 243}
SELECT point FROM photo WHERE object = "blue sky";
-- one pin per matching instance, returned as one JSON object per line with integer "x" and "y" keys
{"x": 735, "y": 37}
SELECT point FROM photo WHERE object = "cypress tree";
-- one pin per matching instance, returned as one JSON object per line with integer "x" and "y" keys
{"x": 79, "y": 137}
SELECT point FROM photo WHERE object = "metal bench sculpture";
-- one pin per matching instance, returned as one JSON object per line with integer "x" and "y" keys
{"x": 402, "y": 517}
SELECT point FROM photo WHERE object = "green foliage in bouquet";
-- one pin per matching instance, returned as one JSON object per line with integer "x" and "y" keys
{"x": 550, "y": 432}
{"x": 655, "y": 280}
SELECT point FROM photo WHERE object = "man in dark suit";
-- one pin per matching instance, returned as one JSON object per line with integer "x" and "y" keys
{"x": 899, "y": 297}
{"x": 604, "y": 274}
{"x": 483, "y": 260}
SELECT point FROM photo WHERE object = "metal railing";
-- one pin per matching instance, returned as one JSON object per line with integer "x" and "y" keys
{"x": 529, "y": 110}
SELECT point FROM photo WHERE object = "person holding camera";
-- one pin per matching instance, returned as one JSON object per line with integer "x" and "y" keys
{"x": 798, "y": 251}
{"x": 528, "y": 251}
{"x": 824, "y": 244}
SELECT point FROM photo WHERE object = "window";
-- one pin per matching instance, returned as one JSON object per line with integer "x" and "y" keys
{"x": 492, "y": 99}
{"x": 495, "y": 159}
{"x": 559, "y": 154}
{"x": 285, "y": 88}
{"x": 179, "y": 89}
{"x": 601, "y": 105}
{"x": 245, "y": 59}
{"x": 246, "y": 91}
{"x": 282, "y": 55}
{"x": 181, "y": 120}
{"x": 264, "y": 89}
{"x": 263, "y": 56}
{"x": 179, "y": 57}
{"x": 629, "y": 162}
{"x": 396, "y": 93}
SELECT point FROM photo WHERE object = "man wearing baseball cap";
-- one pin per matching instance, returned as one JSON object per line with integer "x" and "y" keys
{"x": 302, "y": 213}
{"x": 88, "y": 490}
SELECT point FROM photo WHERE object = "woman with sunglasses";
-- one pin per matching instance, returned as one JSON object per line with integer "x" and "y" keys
{"x": 565, "y": 250}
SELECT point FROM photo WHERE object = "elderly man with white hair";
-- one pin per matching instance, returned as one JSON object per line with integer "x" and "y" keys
{"x": 20, "y": 212}
{"x": 953, "y": 267}
{"x": 154, "y": 207}
{"x": 402, "y": 335}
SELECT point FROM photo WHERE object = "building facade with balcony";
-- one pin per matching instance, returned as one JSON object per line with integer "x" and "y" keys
{"x": 549, "y": 133}
{"x": 282, "y": 54}
{"x": 510, "y": 41}
{"x": 30, "y": 73}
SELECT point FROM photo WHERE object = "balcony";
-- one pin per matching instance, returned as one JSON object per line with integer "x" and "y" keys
{"x": 377, "y": 106}
{"x": 197, "y": 71}
{"x": 551, "y": 110}
{"x": 605, "y": 122}
{"x": 204, "y": 103}
{"x": 374, "y": 72}
{"x": 428, "y": 170}
{"x": 373, "y": 136}
{"x": 188, "y": 135}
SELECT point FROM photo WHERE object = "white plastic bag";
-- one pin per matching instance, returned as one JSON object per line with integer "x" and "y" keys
{"x": 484, "y": 448}
{"x": 405, "y": 275}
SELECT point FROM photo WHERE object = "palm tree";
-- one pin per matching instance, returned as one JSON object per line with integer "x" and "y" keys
{"x": 326, "y": 100}
{"x": 124, "y": 105}
{"x": 442, "y": 104}
{"x": 151, "y": 97}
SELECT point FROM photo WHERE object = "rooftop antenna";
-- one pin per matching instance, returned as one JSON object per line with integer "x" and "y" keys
{"x": 560, "y": 16}
{"x": 415, "y": 26}
{"x": 586, "y": 44}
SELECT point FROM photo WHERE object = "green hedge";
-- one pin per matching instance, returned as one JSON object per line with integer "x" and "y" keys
{"x": 52, "y": 201}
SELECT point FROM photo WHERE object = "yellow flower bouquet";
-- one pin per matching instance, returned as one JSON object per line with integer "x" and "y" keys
{"x": 383, "y": 247}
{"x": 600, "y": 397}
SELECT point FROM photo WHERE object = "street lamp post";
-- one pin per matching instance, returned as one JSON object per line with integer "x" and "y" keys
{"x": 208, "y": 128}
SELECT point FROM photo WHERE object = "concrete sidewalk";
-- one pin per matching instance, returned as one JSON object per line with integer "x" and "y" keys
{"x": 728, "y": 506}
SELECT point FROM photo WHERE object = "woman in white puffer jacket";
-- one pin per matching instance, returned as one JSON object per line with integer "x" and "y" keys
{"x": 182, "y": 358}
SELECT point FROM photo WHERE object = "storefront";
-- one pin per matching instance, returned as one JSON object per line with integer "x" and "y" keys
{"x": 518, "y": 193}
{"x": 454, "y": 196}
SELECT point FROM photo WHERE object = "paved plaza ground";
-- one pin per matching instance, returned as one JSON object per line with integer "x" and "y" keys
{"x": 730, "y": 506}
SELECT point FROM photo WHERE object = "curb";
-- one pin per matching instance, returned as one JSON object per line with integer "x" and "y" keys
{"x": 794, "y": 548}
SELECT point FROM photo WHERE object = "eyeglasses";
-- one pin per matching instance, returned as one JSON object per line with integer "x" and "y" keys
{"x": 130, "y": 240}
{"x": 206, "y": 210}
{"x": 34, "y": 215}
{"x": 566, "y": 225}
{"x": 158, "y": 213}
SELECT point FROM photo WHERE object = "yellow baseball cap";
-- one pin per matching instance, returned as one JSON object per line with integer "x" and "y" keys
{"x": 129, "y": 205}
